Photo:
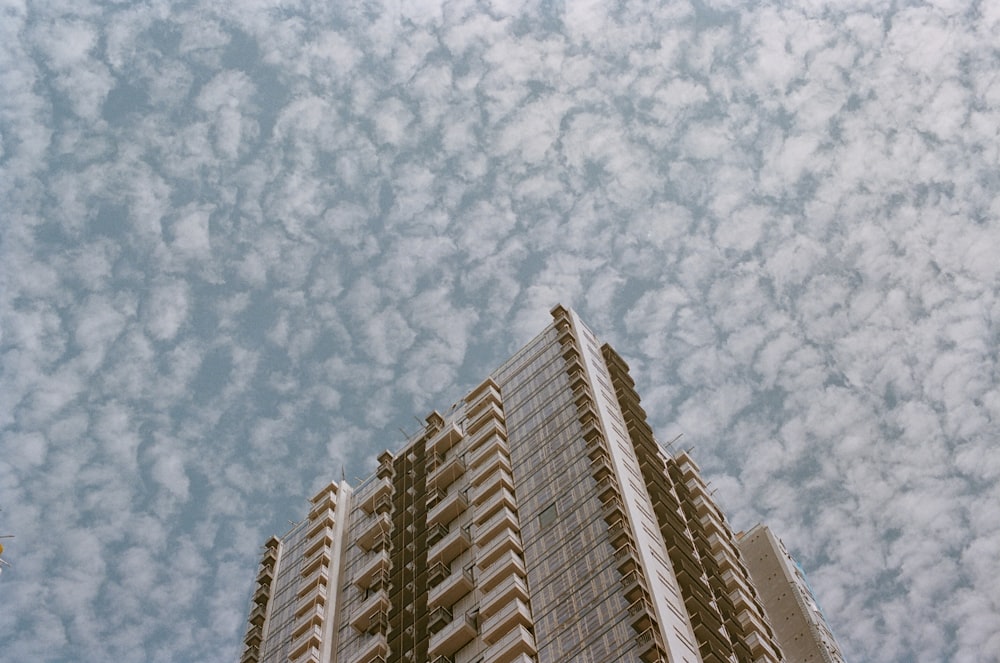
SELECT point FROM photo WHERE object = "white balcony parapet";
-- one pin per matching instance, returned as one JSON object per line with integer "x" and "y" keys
{"x": 517, "y": 646}
{"x": 372, "y": 530}
{"x": 451, "y": 589}
{"x": 508, "y": 541}
{"x": 447, "y": 508}
{"x": 506, "y": 565}
{"x": 502, "y": 498}
{"x": 373, "y": 650}
{"x": 453, "y": 544}
{"x": 445, "y": 438}
{"x": 491, "y": 483}
{"x": 511, "y": 587}
{"x": 499, "y": 623}
{"x": 372, "y": 569}
{"x": 367, "y": 611}
{"x": 503, "y": 519}
{"x": 381, "y": 490}
{"x": 458, "y": 633}
{"x": 449, "y": 468}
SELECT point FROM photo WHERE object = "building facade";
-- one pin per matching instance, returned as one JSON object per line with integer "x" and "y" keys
{"x": 537, "y": 520}
{"x": 799, "y": 625}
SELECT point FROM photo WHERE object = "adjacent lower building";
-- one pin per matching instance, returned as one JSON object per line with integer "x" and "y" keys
{"x": 798, "y": 623}
{"x": 537, "y": 520}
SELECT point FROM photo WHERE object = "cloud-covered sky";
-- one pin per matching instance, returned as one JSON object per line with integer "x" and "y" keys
{"x": 243, "y": 244}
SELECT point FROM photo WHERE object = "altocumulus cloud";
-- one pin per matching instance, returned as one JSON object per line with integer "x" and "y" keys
{"x": 243, "y": 244}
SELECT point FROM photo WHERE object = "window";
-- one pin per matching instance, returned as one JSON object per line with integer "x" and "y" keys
{"x": 548, "y": 515}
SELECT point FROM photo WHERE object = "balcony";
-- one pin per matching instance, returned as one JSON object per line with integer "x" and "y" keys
{"x": 508, "y": 541}
{"x": 373, "y": 568}
{"x": 491, "y": 412}
{"x": 491, "y": 428}
{"x": 650, "y": 643}
{"x": 491, "y": 483}
{"x": 381, "y": 492}
{"x": 320, "y": 557}
{"x": 454, "y": 587}
{"x": 600, "y": 467}
{"x": 375, "y": 605}
{"x": 313, "y": 581}
{"x": 486, "y": 394}
{"x": 449, "y": 468}
{"x": 313, "y": 615}
{"x": 458, "y": 633}
{"x": 445, "y": 439}
{"x": 640, "y": 614}
{"x": 517, "y": 646}
{"x": 254, "y": 636}
{"x": 506, "y": 565}
{"x": 502, "y": 499}
{"x": 373, "y": 649}
{"x": 309, "y": 603}
{"x": 266, "y": 575}
{"x": 454, "y": 543}
{"x": 619, "y": 533}
{"x": 510, "y": 588}
{"x": 515, "y": 613}
{"x": 626, "y": 559}
{"x": 312, "y": 638}
{"x": 327, "y": 499}
{"x": 607, "y": 488}
{"x": 613, "y": 510}
{"x": 634, "y": 586}
{"x": 499, "y": 521}
{"x": 321, "y": 538}
{"x": 448, "y": 507}
{"x": 257, "y": 615}
{"x": 372, "y": 530}
{"x": 493, "y": 445}
{"x": 262, "y": 594}
{"x": 438, "y": 619}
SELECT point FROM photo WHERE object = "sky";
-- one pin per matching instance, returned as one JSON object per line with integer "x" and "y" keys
{"x": 244, "y": 245}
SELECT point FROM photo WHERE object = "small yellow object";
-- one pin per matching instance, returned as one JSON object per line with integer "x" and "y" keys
{"x": 1, "y": 548}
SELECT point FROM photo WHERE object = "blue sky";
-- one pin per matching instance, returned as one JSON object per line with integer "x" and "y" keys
{"x": 243, "y": 244}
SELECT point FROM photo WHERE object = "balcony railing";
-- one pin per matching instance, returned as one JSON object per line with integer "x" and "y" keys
{"x": 373, "y": 649}
{"x": 311, "y": 638}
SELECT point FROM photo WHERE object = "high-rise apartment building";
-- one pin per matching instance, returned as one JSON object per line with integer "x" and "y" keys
{"x": 798, "y": 623}
{"x": 537, "y": 520}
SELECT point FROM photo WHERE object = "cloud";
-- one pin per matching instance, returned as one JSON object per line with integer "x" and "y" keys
{"x": 241, "y": 241}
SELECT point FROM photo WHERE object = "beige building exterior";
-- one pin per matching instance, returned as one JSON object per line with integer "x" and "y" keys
{"x": 799, "y": 625}
{"x": 535, "y": 521}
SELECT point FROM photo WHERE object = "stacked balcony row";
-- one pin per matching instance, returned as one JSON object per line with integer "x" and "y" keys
{"x": 649, "y": 641}
{"x": 370, "y": 617}
{"x": 261, "y": 598}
